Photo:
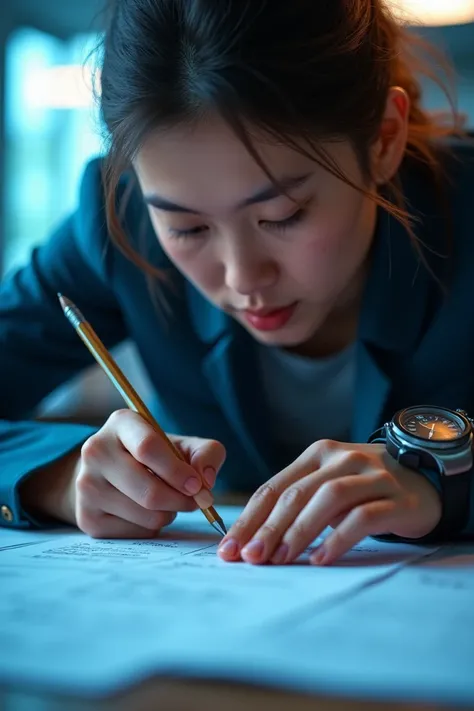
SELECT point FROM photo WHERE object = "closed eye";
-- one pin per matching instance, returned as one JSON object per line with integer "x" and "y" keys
{"x": 192, "y": 232}
{"x": 293, "y": 219}
{"x": 285, "y": 224}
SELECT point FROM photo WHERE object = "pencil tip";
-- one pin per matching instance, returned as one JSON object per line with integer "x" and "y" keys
{"x": 219, "y": 526}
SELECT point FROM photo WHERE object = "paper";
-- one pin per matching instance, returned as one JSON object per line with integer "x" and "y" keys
{"x": 410, "y": 637}
{"x": 12, "y": 538}
{"x": 91, "y": 616}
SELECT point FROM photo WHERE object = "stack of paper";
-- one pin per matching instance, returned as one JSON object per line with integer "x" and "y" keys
{"x": 90, "y": 616}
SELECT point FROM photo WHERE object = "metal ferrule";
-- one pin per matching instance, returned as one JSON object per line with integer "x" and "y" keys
{"x": 74, "y": 316}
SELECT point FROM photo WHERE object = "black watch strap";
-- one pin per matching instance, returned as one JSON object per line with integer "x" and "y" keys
{"x": 455, "y": 489}
{"x": 456, "y": 503}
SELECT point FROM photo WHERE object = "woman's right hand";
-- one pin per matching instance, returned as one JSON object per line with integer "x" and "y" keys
{"x": 127, "y": 483}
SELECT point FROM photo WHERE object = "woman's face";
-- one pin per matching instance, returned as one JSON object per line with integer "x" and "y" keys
{"x": 282, "y": 269}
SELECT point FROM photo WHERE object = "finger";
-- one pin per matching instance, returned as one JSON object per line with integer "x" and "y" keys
{"x": 116, "y": 504}
{"x": 266, "y": 497}
{"x": 368, "y": 519}
{"x": 146, "y": 489}
{"x": 294, "y": 523}
{"x": 206, "y": 456}
{"x": 267, "y": 538}
{"x": 148, "y": 447}
{"x": 256, "y": 512}
{"x": 135, "y": 482}
{"x": 102, "y": 525}
{"x": 333, "y": 497}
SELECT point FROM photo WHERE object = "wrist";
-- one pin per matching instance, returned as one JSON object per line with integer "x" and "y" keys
{"x": 49, "y": 493}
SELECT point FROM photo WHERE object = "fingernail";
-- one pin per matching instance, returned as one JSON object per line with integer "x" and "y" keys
{"x": 204, "y": 499}
{"x": 209, "y": 475}
{"x": 319, "y": 556}
{"x": 280, "y": 554}
{"x": 230, "y": 547}
{"x": 254, "y": 550}
{"x": 192, "y": 485}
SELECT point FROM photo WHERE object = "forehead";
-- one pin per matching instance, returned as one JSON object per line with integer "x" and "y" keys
{"x": 207, "y": 162}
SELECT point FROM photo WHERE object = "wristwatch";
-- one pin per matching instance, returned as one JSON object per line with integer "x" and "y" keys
{"x": 438, "y": 442}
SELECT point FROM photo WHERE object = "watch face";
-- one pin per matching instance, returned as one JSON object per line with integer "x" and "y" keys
{"x": 434, "y": 424}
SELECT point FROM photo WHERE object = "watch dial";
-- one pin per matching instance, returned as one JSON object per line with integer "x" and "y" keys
{"x": 435, "y": 427}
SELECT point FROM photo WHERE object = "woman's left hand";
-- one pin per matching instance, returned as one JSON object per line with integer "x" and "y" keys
{"x": 357, "y": 489}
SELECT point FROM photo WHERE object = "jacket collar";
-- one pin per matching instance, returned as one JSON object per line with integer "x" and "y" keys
{"x": 396, "y": 297}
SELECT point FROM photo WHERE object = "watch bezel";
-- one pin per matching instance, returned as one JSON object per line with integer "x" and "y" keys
{"x": 401, "y": 432}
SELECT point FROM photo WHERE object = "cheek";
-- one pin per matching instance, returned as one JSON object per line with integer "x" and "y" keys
{"x": 336, "y": 246}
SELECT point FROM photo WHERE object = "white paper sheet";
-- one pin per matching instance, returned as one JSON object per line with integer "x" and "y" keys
{"x": 410, "y": 637}
{"x": 91, "y": 616}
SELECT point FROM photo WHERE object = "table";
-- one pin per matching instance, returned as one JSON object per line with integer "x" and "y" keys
{"x": 177, "y": 695}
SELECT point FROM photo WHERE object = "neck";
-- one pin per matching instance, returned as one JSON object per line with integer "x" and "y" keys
{"x": 340, "y": 327}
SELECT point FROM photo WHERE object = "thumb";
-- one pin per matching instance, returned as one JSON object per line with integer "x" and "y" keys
{"x": 206, "y": 456}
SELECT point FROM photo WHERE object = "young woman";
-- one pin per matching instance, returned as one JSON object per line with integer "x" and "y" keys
{"x": 286, "y": 236}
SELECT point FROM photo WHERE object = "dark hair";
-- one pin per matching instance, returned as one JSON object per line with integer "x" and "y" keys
{"x": 299, "y": 69}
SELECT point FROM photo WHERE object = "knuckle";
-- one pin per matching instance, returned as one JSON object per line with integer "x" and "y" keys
{"x": 86, "y": 485}
{"x": 325, "y": 446}
{"x": 267, "y": 493}
{"x": 293, "y": 496}
{"x": 155, "y": 520}
{"x": 269, "y": 530}
{"x": 333, "y": 491}
{"x": 118, "y": 416}
{"x": 366, "y": 515}
{"x": 320, "y": 450}
{"x": 354, "y": 459}
{"x": 89, "y": 523}
{"x": 299, "y": 530}
{"x": 385, "y": 477}
{"x": 145, "y": 447}
{"x": 219, "y": 451}
{"x": 92, "y": 449}
{"x": 240, "y": 526}
{"x": 150, "y": 498}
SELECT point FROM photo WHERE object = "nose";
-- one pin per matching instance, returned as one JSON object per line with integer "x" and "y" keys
{"x": 247, "y": 272}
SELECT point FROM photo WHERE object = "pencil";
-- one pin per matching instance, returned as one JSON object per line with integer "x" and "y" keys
{"x": 127, "y": 391}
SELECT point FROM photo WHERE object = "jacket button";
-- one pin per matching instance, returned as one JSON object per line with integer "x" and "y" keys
{"x": 7, "y": 513}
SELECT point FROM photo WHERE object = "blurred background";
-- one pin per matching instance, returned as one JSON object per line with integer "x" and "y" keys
{"x": 49, "y": 129}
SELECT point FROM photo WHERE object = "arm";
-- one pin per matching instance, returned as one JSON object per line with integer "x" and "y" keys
{"x": 39, "y": 350}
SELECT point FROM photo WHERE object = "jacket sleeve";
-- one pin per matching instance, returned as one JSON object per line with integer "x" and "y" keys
{"x": 39, "y": 349}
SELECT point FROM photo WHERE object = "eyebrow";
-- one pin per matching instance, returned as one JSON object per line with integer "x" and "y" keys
{"x": 269, "y": 192}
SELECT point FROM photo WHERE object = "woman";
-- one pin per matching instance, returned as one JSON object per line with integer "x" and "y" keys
{"x": 273, "y": 179}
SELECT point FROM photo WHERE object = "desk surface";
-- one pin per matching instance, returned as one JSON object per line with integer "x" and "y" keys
{"x": 176, "y": 695}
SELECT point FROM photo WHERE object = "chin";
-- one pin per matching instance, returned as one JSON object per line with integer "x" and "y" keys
{"x": 283, "y": 337}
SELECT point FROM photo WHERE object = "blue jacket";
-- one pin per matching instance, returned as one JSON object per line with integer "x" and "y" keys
{"x": 415, "y": 341}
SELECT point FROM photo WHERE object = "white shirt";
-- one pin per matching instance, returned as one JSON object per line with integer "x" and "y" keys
{"x": 307, "y": 398}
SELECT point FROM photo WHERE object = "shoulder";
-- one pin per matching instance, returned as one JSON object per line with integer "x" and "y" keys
{"x": 441, "y": 201}
{"x": 457, "y": 165}
{"x": 454, "y": 198}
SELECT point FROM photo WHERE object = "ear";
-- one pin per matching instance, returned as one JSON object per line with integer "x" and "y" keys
{"x": 389, "y": 147}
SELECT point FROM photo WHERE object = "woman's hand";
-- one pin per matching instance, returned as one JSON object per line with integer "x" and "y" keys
{"x": 126, "y": 482}
{"x": 358, "y": 489}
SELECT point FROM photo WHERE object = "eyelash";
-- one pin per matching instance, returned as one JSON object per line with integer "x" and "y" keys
{"x": 279, "y": 225}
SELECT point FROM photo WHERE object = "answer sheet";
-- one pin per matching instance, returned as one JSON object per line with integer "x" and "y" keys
{"x": 91, "y": 616}
{"x": 410, "y": 638}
